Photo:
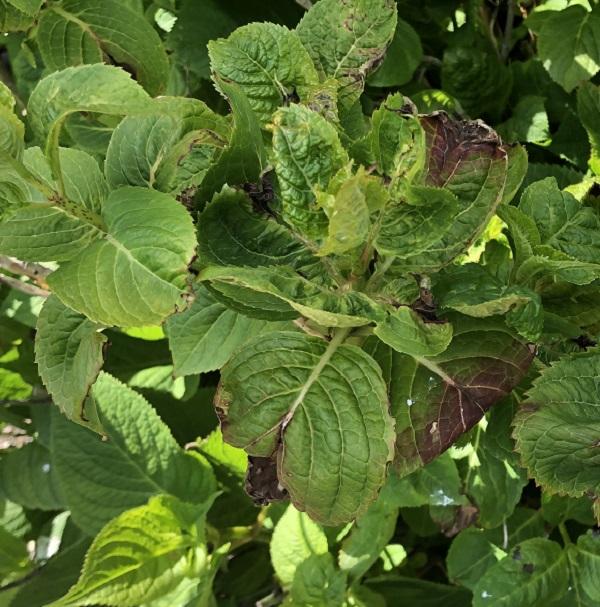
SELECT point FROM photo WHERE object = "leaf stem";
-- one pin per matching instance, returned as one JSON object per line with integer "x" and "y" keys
{"x": 508, "y": 29}
{"x": 564, "y": 534}
{"x": 23, "y": 287}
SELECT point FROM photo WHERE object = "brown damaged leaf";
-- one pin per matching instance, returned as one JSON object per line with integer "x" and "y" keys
{"x": 436, "y": 400}
{"x": 262, "y": 483}
{"x": 451, "y": 143}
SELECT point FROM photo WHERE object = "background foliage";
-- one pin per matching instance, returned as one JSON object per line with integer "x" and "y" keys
{"x": 131, "y": 274}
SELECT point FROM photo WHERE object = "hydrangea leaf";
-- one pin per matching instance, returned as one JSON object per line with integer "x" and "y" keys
{"x": 291, "y": 376}
{"x": 324, "y": 306}
{"x": 69, "y": 354}
{"x": 578, "y": 59}
{"x": 244, "y": 157}
{"x": 348, "y": 40}
{"x": 406, "y": 332}
{"x": 80, "y": 32}
{"x": 136, "y": 268}
{"x": 588, "y": 109}
{"x": 415, "y": 223}
{"x": 533, "y": 573}
{"x": 295, "y": 538}
{"x": 12, "y": 130}
{"x": 101, "y": 479}
{"x": 205, "y": 336}
{"x": 556, "y": 430}
{"x": 98, "y": 88}
{"x": 142, "y": 554}
{"x": 307, "y": 153}
{"x": 436, "y": 399}
{"x": 268, "y": 62}
{"x": 402, "y": 58}
{"x": 39, "y": 232}
{"x": 585, "y": 559}
{"x": 318, "y": 582}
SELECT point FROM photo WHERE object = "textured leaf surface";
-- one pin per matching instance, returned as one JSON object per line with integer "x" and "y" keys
{"x": 89, "y": 88}
{"x": 532, "y": 574}
{"x": 307, "y": 153}
{"x": 140, "y": 555}
{"x": 28, "y": 478}
{"x": 295, "y": 538}
{"x": 135, "y": 273}
{"x": 69, "y": 354}
{"x": 586, "y": 560}
{"x": 324, "y": 306}
{"x": 79, "y": 32}
{"x": 280, "y": 388}
{"x": 436, "y": 399}
{"x": 348, "y": 40}
{"x": 578, "y": 59}
{"x": 408, "y": 333}
{"x": 556, "y": 430}
{"x": 244, "y": 157}
{"x": 101, "y": 479}
{"x": 204, "y": 337}
{"x": 318, "y": 582}
{"x": 43, "y": 233}
{"x": 267, "y": 61}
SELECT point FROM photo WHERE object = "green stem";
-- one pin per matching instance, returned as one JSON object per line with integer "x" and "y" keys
{"x": 564, "y": 534}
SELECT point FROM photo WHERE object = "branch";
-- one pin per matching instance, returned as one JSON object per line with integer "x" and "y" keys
{"x": 35, "y": 271}
{"x": 508, "y": 28}
{"x": 24, "y": 287}
{"x": 305, "y": 4}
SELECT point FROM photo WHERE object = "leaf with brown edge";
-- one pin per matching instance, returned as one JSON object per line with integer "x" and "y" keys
{"x": 262, "y": 484}
{"x": 467, "y": 159}
{"x": 317, "y": 408}
{"x": 437, "y": 399}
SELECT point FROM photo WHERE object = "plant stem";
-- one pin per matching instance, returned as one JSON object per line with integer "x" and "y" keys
{"x": 564, "y": 534}
{"x": 35, "y": 271}
{"x": 508, "y": 29}
{"x": 24, "y": 287}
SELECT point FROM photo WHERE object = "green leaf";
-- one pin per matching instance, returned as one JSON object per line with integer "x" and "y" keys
{"x": 28, "y": 478}
{"x": 556, "y": 430}
{"x": 402, "y": 58}
{"x": 290, "y": 376}
{"x": 141, "y": 459}
{"x": 38, "y": 232}
{"x": 295, "y": 538}
{"x": 369, "y": 535}
{"x": 471, "y": 290}
{"x": 204, "y": 337}
{"x": 325, "y": 306}
{"x": 436, "y": 399}
{"x": 307, "y": 153}
{"x": 397, "y": 141}
{"x": 534, "y": 574}
{"x": 578, "y": 58}
{"x": 473, "y": 73}
{"x": 14, "y": 560}
{"x": 142, "y": 554}
{"x": 267, "y": 62}
{"x": 406, "y": 332}
{"x": 435, "y": 484}
{"x": 412, "y": 226}
{"x": 467, "y": 159}
{"x": 586, "y": 561}
{"x": 588, "y": 108}
{"x": 77, "y": 32}
{"x": 244, "y": 158}
{"x": 348, "y": 40}
{"x": 230, "y": 232}
{"x": 102, "y": 89}
{"x": 169, "y": 147}
{"x": 557, "y": 509}
{"x": 55, "y": 577}
{"x": 69, "y": 355}
{"x": 317, "y": 583}
{"x": 12, "y": 130}
{"x": 528, "y": 122}
{"x": 137, "y": 269}
{"x": 498, "y": 472}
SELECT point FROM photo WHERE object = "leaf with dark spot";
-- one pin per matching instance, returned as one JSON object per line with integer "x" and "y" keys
{"x": 437, "y": 399}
